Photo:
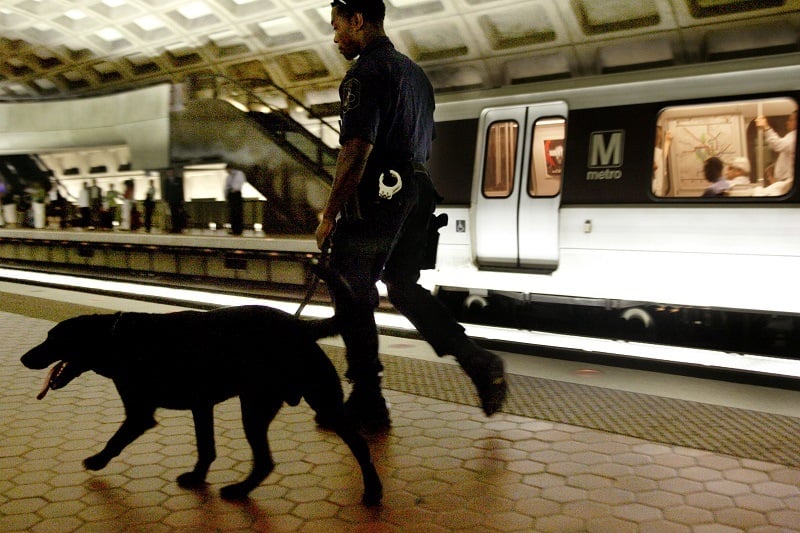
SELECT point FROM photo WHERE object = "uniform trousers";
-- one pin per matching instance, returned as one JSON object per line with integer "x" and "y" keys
{"x": 388, "y": 244}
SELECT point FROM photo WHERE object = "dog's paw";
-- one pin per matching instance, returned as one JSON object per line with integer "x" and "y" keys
{"x": 95, "y": 462}
{"x": 372, "y": 499}
{"x": 373, "y": 488}
{"x": 237, "y": 491}
{"x": 191, "y": 480}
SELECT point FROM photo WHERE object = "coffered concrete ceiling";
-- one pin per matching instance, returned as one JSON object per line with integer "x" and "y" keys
{"x": 56, "y": 48}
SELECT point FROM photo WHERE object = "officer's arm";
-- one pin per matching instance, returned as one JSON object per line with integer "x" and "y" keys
{"x": 349, "y": 169}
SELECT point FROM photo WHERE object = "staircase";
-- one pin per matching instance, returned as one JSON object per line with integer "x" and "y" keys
{"x": 19, "y": 172}
{"x": 287, "y": 216}
{"x": 296, "y": 140}
{"x": 288, "y": 164}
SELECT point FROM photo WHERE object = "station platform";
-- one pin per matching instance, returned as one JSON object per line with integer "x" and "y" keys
{"x": 253, "y": 258}
{"x": 196, "y": 238}
{"x": 578, "y": 447}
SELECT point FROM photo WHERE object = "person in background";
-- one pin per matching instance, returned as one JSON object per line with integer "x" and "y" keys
{"x": 769, "y": 175}
{"x": 783, "y": 146}
{"x": 149, "y": 206}
{"x": 84, "y": 206}
{"x": 661, "y": 185}
{"x": 57, "y": 204}
{"x": 112, "y": 197}
{"x": 127, "y": 205}
{"x": 95, "y": 204}
{"x": 378, "y": 222}
{"x": 772, "y": 187}
{"x": 173, "y": 194}
{"x": 738, "y": 171}
{"x": 712, "y": 169}
{"x": 234, "y": 182}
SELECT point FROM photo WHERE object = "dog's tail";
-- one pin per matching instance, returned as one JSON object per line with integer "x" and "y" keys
{"x": 343, "y": 300}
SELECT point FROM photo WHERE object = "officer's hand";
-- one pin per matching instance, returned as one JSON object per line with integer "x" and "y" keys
{"x": 324, "y": 230}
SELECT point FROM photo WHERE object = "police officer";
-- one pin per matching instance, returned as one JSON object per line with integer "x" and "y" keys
{"x": 379, "y": 212}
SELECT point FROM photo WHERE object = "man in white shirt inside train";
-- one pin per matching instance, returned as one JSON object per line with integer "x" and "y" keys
{"x": 784, "y": 146}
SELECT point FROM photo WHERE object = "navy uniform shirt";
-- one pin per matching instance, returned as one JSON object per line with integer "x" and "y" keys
{"x": 388, "y": 101}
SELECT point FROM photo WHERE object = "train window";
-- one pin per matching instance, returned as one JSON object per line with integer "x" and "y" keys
{"x": 547, "y": 157}
{"x": 500, "y": 160}
{"x": 726, "y": 150}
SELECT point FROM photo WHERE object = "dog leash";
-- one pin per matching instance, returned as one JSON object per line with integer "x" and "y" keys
{"x": 323, "y": 259}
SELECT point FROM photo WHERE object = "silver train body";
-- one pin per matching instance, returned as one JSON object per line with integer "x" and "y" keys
{"x": 577, "y": 208}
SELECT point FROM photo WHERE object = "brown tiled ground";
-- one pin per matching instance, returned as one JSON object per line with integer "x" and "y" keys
{"x": 444, "y": 465}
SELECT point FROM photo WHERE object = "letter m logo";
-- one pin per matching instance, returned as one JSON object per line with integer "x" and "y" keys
{"x": 605, "y": 148}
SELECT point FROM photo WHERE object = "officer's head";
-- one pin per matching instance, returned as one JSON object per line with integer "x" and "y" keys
{"x": 372, "y": 10}
{"x": 356, "y": 23}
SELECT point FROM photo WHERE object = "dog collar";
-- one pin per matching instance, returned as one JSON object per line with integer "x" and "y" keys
{"x": 117, "y": 315}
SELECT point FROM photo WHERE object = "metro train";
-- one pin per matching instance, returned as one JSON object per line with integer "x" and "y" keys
{"x": 585, "y": 212}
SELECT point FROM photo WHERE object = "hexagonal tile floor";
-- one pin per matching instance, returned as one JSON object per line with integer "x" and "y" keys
{"x": 561, "y": 457}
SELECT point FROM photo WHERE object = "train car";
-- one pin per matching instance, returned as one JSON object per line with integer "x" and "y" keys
{"x": 582, "y": 207}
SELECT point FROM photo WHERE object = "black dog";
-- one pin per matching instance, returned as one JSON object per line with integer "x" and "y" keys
{"x": 194, "y": 360}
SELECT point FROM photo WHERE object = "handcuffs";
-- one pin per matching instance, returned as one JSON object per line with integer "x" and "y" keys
{"x": 389, "y": 185}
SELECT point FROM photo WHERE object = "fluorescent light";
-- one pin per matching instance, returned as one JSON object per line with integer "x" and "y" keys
{"x": 149, "y": 23}
{"x": 278, "y": 26}
{"x": 407, "y": 3}
{"x": 195, "y": 10}
{"x": 109, "y": 34}
{"x": 75, "y": 14}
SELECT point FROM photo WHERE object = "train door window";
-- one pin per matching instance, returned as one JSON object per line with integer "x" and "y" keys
{"x": 726, "y": 150}
{"x": 500, "y": 160}
{"x": 547, "y": 157}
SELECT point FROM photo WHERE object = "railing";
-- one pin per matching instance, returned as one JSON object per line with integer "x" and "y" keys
{"x": 290, "y": 125}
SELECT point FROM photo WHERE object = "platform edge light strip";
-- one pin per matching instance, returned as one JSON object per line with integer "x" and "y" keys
{"x": 775, "y": 366}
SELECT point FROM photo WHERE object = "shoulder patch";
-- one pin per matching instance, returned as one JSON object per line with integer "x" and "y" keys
{"x": 351, "y": 95}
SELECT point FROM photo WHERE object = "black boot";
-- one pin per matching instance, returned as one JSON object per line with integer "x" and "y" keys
{"x": 486, "y": 370}
{"x": 365, "y": 409}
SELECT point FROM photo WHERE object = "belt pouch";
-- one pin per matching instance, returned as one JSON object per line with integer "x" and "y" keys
{"x": 432, "y": 241}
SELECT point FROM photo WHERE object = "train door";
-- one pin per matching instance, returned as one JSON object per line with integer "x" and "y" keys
{"x": 517, "y": 193}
